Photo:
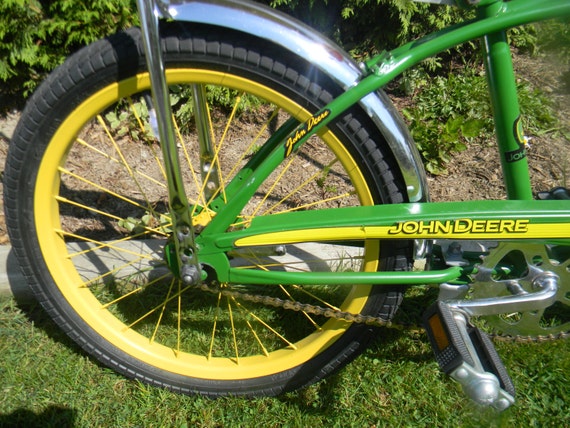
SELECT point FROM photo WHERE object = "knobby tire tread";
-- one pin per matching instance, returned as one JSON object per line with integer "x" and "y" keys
{"x": 106, "y": 60}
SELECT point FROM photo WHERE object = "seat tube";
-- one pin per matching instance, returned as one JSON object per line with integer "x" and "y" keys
{"x": 503, "y": 90}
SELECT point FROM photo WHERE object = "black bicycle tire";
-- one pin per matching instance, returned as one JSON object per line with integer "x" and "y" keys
{"x": 115, "y": 57}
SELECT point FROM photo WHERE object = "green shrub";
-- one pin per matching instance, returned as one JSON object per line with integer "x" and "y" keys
{"x": 554, "y": 38}
{"x": 366, "y": 27}
{"x": 450, "y": 111}
{"x": 447, "y": 113}
{"x": 36, "y": 36}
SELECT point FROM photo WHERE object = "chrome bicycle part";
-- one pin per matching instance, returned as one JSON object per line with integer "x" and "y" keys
{"x": 467, "y": 355}
{"x": 545, "y": 284}
{"x": 185, "y": 262}
{"x": 522, "y": 273}
{"x": 208, "y": 162}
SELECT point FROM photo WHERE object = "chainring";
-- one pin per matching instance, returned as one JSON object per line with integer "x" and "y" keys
{"x": 519, "y": 263}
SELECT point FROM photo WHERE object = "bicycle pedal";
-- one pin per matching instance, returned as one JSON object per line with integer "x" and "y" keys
{"x": 467, "y": 355}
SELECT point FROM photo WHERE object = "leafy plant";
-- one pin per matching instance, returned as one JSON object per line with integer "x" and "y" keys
{"x": 367, "y": 27}
{"x": 132, "y": 119}
{"x": 554, "y": 37}
{"x": 149, "y": 221}
{"x": 218, "y": 97}
{"x": 450, "y": 111}
{"x": 446, "y": 114}
{"x": 36, "y": 36}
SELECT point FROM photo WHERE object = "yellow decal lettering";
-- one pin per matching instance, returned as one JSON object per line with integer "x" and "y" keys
{"x": 492, "y": 226}
{"x": 302, "y": 131}
{"x": 478, "y": 226}
{"x": 521, "y": 226}
{"x": 462, "y": 225}
{"x": 459, "y": 227}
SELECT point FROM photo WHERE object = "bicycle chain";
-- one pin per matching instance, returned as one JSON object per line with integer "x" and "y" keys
{"x": 304, "y": 307}
{"x": 359, "y": 318}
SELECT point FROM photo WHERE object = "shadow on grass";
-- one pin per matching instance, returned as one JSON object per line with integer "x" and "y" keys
{"x": 36, "y": 314}
{"x": 53, "y": 416}
{"x": 391, "y": 347}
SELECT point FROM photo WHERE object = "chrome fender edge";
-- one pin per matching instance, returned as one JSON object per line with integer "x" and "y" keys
{"x": 272, "y": 25}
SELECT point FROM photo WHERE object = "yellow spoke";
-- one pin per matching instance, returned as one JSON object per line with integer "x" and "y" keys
{"x": 98, "y": 247}
{"x": 308, "y": 293}
{"x": 159, "y": 321}
{"x": 216, "y": 159}
{"x": 322, "y": 201}
{"x": 143, "y": 130}
{"x": 179, "y": 320}
{"x": 158, "y": 231}
{"x": 286, "y": 292}
{"x": 189, "y": 162}
{"x": 113, "y": 271}
{"x": 252, "y": 330}
{"x": 298, "y": 188}
{"x": 246, "y": 219}
{"x": 215, "y": 326}
{"x": 153, "y": 310}
{"x": 308, "y": 316}
{"x": 111, "y": 245}
{"x": 124, "y": 161}
{"x": 135, "y": 291}
{"x": 257, "y": 339}
{"x": 113, "y": 159}
{"x": 87, "y": 208}
{"x": 99, "y": 187}
{"x": 277, "y": 181}
{"x": 231, "y": 315}
{"x": 249, "y": 148}
{"x": 267, "y": 326}
{"x": 135, "y": 113}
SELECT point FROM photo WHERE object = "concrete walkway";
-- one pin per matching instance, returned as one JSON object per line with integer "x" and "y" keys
{"x": 12, "y": 282}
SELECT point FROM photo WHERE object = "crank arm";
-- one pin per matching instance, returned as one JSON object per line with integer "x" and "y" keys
{"x": 546, "y": 283}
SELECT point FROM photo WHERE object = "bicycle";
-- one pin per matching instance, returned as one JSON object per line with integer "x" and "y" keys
{"x": 257, "y": 260}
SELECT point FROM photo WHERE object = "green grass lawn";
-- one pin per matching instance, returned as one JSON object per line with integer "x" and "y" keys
{"x": 46, "y": 380}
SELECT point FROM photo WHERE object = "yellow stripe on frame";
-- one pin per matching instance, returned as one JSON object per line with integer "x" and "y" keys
{"x": 459, "y": 229}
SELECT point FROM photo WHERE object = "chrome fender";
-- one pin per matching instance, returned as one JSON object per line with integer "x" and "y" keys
{"x": 272, "y": 25}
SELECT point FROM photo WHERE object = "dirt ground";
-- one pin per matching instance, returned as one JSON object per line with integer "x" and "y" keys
{"x": 474, "y": 173}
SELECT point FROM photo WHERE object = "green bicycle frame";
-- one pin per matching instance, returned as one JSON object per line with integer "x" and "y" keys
{"x": 520, "y": 217}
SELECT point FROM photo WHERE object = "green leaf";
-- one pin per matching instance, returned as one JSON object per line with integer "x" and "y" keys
{"x": 472, "y": 128}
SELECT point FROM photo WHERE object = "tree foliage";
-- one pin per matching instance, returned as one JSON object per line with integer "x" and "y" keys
{"x": 37, "y": 35}
{"x": 365, "y": 27}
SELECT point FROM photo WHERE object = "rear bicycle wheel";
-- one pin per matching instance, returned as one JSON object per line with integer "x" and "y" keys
{"x": 88, "y": 216}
